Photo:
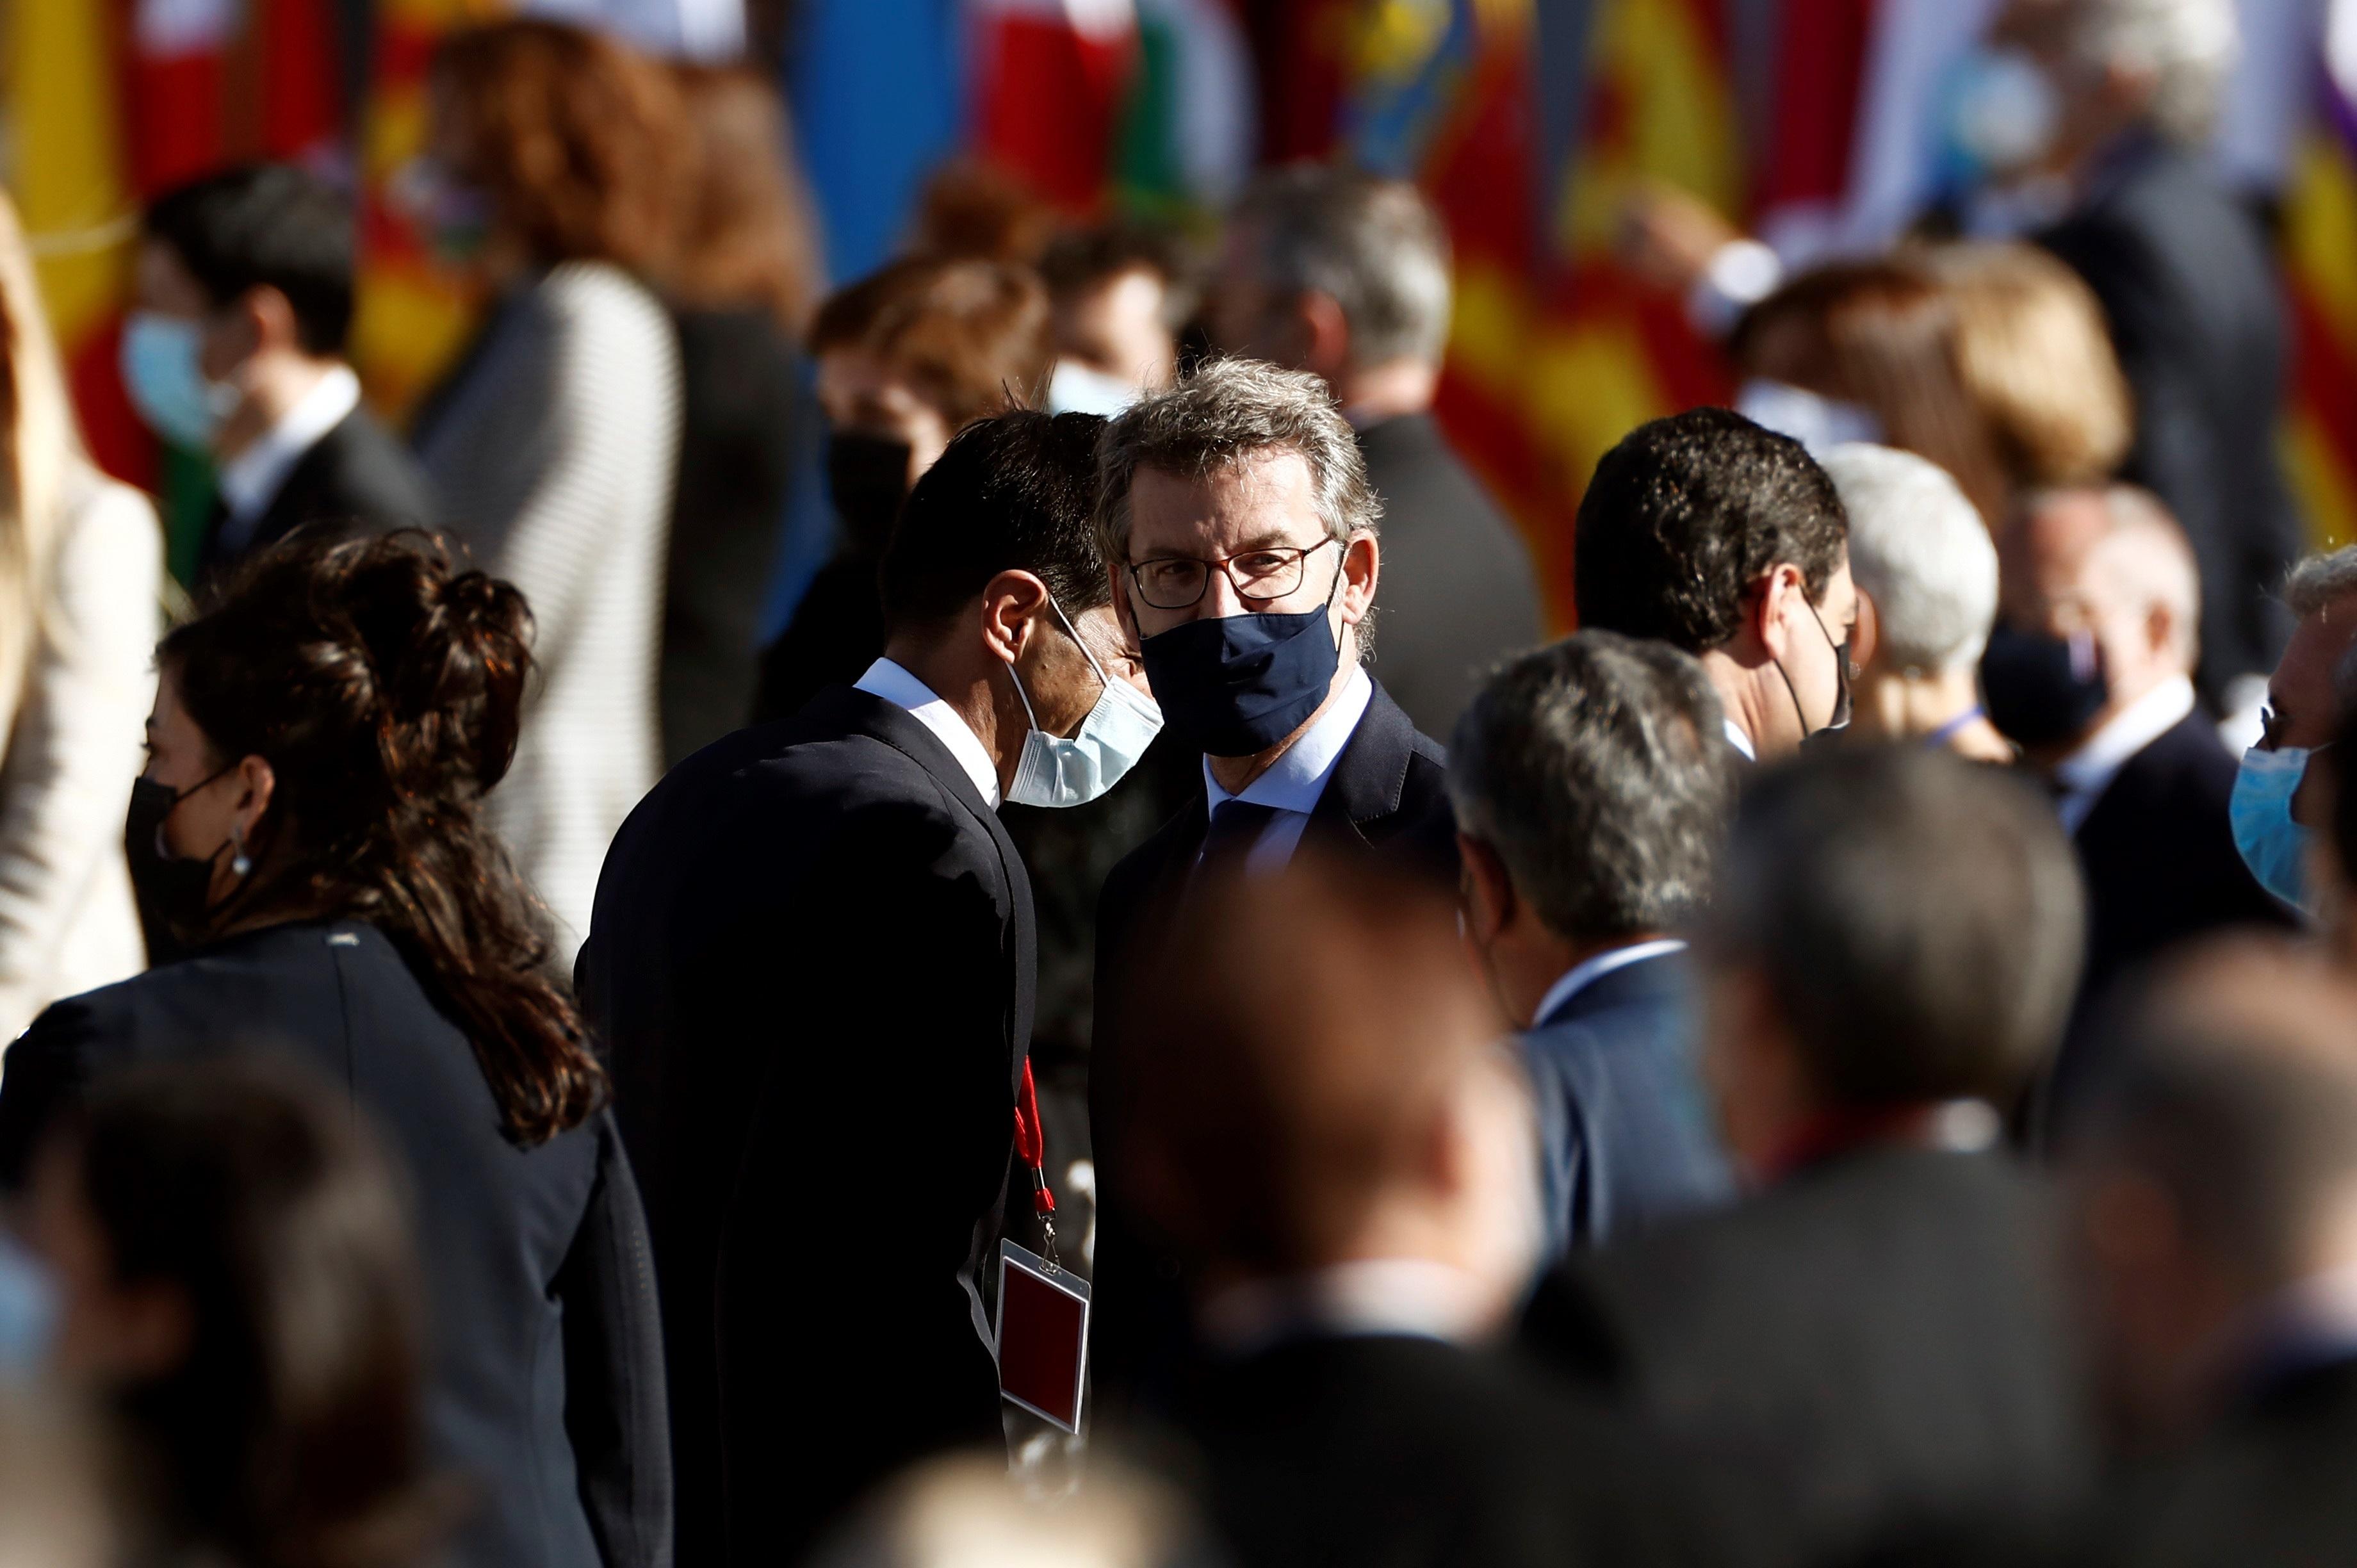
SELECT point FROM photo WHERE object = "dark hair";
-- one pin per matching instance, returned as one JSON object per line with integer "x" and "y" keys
{"x": 266, "y": 226}
{"x": 290, "y": 1435}
{"x": 1012, "y": 493}
{"x": 1080, "y": 259}
{"x": 1917, "y": 918}
{"x": 973, "y": 337}
{"x": 578, "y": 139}
{"x": 1686, "y": 513}
{"x": 384, "y": 685}
{"x": 1598, "y": 771}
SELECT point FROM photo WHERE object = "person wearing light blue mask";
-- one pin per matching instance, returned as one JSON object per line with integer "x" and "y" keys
{"x": 1056, "y": 770}
{"x": 2280, "y": 801}
{"x": 234, "y": 351}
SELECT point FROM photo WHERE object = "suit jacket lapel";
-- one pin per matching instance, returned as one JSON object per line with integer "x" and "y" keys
{"x": 1371, "y": 776}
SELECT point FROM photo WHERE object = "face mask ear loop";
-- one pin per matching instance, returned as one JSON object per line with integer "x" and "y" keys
{"x": 1072, "y": 631}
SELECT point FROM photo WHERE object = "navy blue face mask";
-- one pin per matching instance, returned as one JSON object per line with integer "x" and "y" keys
{"x": 1236, "y": 686}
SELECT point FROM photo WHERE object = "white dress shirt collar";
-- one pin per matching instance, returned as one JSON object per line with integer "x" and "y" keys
{"x": 1295, "y": 780}
{"x": 1737, "y": 738}
{"x": 2086, "y": 773}
{"x": 250, "y": 481}
{"x": 1387, "y": 1296}
{"x": 1595, "y": 967}
{"x": 893, "y": 683}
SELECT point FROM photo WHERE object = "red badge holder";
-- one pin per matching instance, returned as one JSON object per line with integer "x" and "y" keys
{"x": 1042, "y": 1337}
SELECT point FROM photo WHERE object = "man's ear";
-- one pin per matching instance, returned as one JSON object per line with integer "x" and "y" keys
{"x": 268, "y": 319}
{"x": 1325, "y": 334}
{"x": 1362, "y": 565}
{"x": 1011, "y": 602}
{"x": 1490, "y": 900}
{"x": 1770, "y": 608}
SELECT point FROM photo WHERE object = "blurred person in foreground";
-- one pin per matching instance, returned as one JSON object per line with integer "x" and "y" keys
{"x": 311, "y": 823}
{"x": 2280, "y": 800}
{"x": 82, "y": 572}
{"x": 1122, "y": 293}
{"x": 1591, "y": 786}
{"x": 235, "y": 349}
{"x": 1726, "y": 541}
{"x": 2092, "y": 673}
{"x": 1327, "y": 270}
{"x": 55, "y": 1507}
{"x": 1239, "y": 530}
{"x": 2213, "y": 1191}
{"x": 813, "y": 968}
{"x": 1877, "y": 1336}
{"x": 554, "y": 184}
{"x": 741, "y": 285}
{"x": 1927, "y": 580}
{"x": 1340, "y": 1147}
{"x": 240, "y": 1296}
{"x": 907, "y": 356}
{"x": 963, "y": 1511}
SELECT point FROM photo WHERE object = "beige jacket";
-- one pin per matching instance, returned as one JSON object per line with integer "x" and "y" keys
{"x": 67, "y": 918}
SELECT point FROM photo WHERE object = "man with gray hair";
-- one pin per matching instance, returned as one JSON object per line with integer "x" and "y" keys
{"x": 1591, "y": 786}
{"x": 1328, "y": 270}
{"x": 2279, "y": 802}
{"x": 2092, "y": 674}
{"x": 1236, "y": 520}
{"x": 1926, "y": 578}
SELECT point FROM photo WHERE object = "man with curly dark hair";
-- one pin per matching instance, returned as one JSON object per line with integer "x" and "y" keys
{"x": 1706, "y": 531}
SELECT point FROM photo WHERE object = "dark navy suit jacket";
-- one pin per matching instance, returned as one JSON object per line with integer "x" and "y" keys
{"x": 1628, "y": 1138}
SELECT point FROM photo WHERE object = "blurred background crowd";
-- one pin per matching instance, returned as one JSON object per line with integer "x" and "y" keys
{"x": 2037, "y": 324}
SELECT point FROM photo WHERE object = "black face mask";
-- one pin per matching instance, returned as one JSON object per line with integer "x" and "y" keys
{"x": 867, "y": 476}
{"x": 1840, "y": 719}
{"x": 1237, "y": 685}
{"x": 2043, "y": 690}
{"x": 173, "y": 890}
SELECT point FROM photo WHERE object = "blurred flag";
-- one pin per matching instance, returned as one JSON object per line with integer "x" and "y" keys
{"x": 877, "y": 89}
{"x": 79, "y": 214}
{"x": 1050, "y": 77}
{"x": 1186, "y": 136}
{"x": 674, "y": 29}
{"x": 2319, "y": 238}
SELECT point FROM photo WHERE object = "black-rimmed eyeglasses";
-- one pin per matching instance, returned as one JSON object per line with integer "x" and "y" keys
{"x": 1177, "y": 581}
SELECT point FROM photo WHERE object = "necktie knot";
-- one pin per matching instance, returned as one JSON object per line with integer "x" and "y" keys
{"x": 1236, "y": 826}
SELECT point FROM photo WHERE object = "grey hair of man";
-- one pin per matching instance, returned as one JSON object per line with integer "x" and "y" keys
{"x": 1598, "y": 771}
{"x": 1230, "y": 412}
{"x": 2188, "y": 47}
{"x": 1917, "y": 919}
{"x": 2144, "y": 558}
{"x": 1375, "y": 246}
{"x": 1918, "y": 548}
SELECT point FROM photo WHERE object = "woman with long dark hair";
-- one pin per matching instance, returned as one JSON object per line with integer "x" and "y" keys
{"x": 310, "y": 822}
{"x": 238, "y": 1295}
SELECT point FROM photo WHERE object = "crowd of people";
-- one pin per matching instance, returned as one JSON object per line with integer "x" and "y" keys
{"x": 1848, "y": 1057}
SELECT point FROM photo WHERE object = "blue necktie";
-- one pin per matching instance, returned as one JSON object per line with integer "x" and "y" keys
{"x": 1236, "y": 826}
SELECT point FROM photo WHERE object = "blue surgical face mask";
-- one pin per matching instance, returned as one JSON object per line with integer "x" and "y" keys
{"x": 1057, "y": 771}
{"x": 160, "y": 371}
{"x": 28, "y": 1311}
{"x": 2273, "y": 845}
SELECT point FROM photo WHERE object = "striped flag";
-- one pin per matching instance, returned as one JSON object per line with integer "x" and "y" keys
{"x": 2319, "y": 241}
{"x": 1050, "y": 80}
{"x": 1186, "y": 137}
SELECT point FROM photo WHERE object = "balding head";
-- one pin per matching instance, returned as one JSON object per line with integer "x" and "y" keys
{"x": 1319, "y": 1080}
{"x": 2111, "y": 564}
{"x": 2215, "y": 1167}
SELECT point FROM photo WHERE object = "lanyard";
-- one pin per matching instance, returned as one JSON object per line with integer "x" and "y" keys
{"x": 1031, "y": 1148}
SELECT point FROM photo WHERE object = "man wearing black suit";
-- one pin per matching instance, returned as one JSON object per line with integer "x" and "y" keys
{"x": 2189, "y": 287}
{"x": 236, "y": 350}
{"x": 1877, "y": 1336}
{"x": 1726, "y": 541}
{"x": 1330, "y": 270}
{"x": 2224, "y": 1317}
{"x": 1235, "y": 512}
{"x": 819, "y": 922}
{"x": 2142, "y": 781}
{"x": 1339, "y": 1149}
{"x": 1591, "y": 788}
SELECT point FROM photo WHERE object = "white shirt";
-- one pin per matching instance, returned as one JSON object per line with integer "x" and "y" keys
{"x": 250, "y": 481}
{"x": 1737, "y": 738}
{"x": 1595, "y": 967}
{"x": 2086, "y": 773}
{"x": 1379, "y": 1296}
{"x": 890, "y": 681}
{"x": 1295, "y": 780}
